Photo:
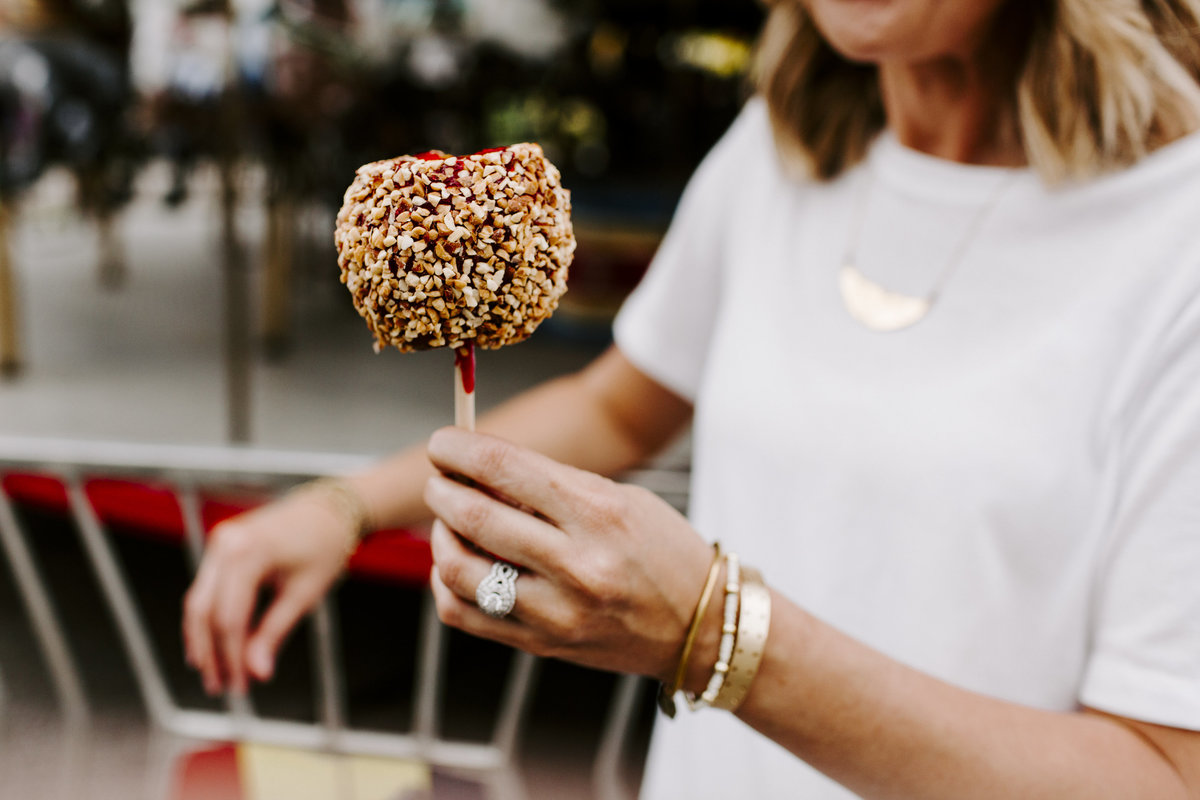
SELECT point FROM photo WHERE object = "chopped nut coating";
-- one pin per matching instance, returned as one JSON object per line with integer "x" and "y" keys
{"x": 439, "y": 251}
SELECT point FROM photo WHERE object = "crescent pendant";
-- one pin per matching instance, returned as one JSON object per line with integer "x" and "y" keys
{"x": 877, "y": 308}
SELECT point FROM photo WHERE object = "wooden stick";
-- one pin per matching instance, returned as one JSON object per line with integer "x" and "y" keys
{"x": 464, "y": 387}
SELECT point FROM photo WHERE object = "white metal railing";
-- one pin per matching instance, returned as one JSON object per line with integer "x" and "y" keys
{"x": 189, "y": 468}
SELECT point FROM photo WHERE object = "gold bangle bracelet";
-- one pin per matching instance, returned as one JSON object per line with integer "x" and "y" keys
{"x": 666, "y": 694}
{"x": 754, "y": 622}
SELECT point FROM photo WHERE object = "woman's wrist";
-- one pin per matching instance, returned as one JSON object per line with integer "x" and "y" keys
{"x": 342, "y": 502}
{"x": 391, "y": 490}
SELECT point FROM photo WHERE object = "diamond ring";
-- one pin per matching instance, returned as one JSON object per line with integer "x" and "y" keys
{"x": 497, "y": 593}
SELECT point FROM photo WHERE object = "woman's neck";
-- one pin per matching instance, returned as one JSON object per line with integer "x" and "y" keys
{"x": 956, "y": 109}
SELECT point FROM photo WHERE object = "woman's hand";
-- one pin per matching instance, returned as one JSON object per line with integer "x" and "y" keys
{"x": 609, "y": 573}
{"x": 296, "y": 547}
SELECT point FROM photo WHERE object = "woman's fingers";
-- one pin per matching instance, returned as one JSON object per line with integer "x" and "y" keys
{"x": 197, "y": 628}
{"x": 235, "y": 603}
{"x": 217, "y": 618}
{"x": 291, "y": 603}
{"x": 461, "y": 569}
{"x": 219, "y": 606}
{"x": 295, "y": 548}
{"x": 555, "y": 490}
{"x": 456, "y": 612}
{"x": 494, "y": 526}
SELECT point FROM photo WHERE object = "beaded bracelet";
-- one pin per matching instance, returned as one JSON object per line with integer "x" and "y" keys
{"x": 753, "y": 625}
{"x": 666, "y": 694}
{"x": 729, "y": 628}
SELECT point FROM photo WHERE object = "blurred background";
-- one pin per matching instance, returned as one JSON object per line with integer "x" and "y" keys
{"x": 175, "y": 345}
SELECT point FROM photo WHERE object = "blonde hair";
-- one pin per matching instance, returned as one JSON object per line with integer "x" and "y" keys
{"x": 1099, "y": 84}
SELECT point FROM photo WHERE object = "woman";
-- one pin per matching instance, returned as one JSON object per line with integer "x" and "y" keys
{"x": 946, "y": 383}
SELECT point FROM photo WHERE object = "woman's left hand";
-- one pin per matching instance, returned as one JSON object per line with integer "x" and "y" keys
{"x": 609, "y": 573}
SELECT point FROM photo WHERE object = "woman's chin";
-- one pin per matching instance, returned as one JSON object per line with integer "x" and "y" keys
{"x": 877, "y": 31}
{"x": 864, "y": 30}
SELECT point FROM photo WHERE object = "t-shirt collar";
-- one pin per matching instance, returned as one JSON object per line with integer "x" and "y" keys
{"x": 912, "y": 172}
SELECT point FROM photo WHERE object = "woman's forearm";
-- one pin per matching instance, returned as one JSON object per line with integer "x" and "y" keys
{"x": 888, "y": 731}
{"x": 606, "y": 418}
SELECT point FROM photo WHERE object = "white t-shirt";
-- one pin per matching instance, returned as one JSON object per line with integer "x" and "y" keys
{"x": 1006, "y": 495}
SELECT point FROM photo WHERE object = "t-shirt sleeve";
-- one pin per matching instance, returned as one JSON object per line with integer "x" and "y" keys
{"x": 1145, "y": 657}
{"x": 664, "y": 327}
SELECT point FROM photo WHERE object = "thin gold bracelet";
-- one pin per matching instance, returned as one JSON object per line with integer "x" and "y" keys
{"x": 666, "y": 694}
{"x": 346, "y": 502}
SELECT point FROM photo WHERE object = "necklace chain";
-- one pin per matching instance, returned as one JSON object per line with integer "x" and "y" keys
{"x": 882, "y": 309}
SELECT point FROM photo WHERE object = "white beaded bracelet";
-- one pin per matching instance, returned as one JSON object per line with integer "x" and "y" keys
{"x": 729, "y": 629}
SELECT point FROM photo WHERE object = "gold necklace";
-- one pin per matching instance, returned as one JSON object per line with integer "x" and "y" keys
{"x": 882, "y": 310}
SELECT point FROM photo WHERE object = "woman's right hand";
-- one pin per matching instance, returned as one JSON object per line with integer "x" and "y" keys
{"x": 295, "y": 548}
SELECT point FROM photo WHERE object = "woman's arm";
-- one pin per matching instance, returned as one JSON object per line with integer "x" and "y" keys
{"x": 610, "y": 576}
{"x": 888, "y": 731}
{"x": 606, "y": 418}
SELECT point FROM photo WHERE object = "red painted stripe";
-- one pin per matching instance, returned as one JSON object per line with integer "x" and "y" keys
{"x": 152, "y": 510}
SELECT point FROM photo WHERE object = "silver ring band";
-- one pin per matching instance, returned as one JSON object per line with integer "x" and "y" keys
{"x": 497, "y": 593}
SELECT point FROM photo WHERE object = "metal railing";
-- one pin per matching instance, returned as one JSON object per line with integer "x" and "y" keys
{"x": 188, "y": 469}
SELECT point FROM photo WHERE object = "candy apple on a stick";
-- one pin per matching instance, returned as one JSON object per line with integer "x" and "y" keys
{"x": 454, "y": 251}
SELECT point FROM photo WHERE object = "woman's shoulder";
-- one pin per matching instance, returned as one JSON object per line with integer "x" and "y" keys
{"x": 748, "y": 152}
{"x": 1151, "y": 207}
{"x": 1171, "y": 171}
{"x": 1182, "y": 152}
{"x": 751, "y": 129}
